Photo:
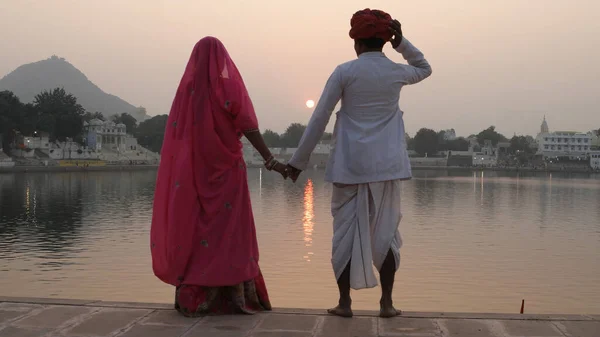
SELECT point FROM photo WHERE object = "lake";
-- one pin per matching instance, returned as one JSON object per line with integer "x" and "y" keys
{"x": 473, "y": 242}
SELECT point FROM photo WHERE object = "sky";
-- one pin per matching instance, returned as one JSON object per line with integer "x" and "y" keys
{"x": 495, "y": 62}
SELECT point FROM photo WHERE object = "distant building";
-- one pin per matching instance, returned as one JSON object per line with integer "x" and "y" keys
{"x": 595, "y": 140}
{"x": 595, "y": 160}
{"x": 473, "y": 143}
{"x": 487, "y": 157}
{"x": 544, "y": 127}
{"x": 318, "y": 158}
{"x": 39, "y": 140}
{"x": 99, "y": 134}
{"x": 5, "y": 160}
{"x": 131, "y": 143}
{"x": 502, "y": 148}
{"x": 460, "y": 158}
{"x": 570, "y": 144}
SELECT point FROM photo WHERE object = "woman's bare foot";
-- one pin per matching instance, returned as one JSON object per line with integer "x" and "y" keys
{"x": 341, "y": 311}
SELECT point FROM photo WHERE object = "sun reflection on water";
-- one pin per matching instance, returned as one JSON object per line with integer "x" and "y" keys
{"x": 308, "y": 218}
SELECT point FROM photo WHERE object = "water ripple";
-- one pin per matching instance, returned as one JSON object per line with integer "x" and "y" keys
{"x": 473, "y": 242}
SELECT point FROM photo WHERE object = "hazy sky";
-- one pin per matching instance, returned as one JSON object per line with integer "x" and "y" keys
{"x": 500, "y": 62}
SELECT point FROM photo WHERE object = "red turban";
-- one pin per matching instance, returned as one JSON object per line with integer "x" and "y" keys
{"x": 371, "y": 23}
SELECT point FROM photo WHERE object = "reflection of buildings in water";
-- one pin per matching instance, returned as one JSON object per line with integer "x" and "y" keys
{"x": 308, "y": 218}
{"x": 424, "y": 193}
{"x": 481, "y": 192}
{"x": 40, "y": 217}
{"x": 54, "y": 214}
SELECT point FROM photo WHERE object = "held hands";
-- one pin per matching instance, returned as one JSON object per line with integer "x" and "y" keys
{"x": 273, "y": 165}
{"x": 396, "y": 29}
{"x": 281, "y": 169}
{"x": 292, "y": 172}
{"x": 285, "y": 170}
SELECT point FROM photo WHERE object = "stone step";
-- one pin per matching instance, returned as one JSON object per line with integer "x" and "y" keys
{"x": 20, "y": 317}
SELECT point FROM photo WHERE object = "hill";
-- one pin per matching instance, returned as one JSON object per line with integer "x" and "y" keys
{"x": 30, "y": 79}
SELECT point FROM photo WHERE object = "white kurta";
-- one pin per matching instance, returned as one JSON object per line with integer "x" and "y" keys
{"x": 369, "y": 139}
{"x": 368, "y": 159}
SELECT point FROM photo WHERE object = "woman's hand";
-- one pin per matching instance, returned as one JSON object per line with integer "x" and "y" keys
{"x": 281, "y": 169}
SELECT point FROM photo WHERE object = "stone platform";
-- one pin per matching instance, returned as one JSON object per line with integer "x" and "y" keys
{"x": 30, "y": 317}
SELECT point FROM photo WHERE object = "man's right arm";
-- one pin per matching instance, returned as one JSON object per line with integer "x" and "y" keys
{"x": 418, "y": 69}
{"x": 316, "y": 126}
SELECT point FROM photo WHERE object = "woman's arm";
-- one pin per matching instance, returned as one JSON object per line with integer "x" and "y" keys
{"x": 256, "y": 139}
{"x": 244, "y": 118}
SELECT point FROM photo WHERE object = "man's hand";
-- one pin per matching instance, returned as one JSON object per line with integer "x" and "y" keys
{"x": 281, "y": 169}
{"x": 396, "y": 29}
{"x": 292, "y": 172}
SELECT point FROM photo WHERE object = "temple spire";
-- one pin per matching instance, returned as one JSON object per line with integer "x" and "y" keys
{"x": 544, "y": 127}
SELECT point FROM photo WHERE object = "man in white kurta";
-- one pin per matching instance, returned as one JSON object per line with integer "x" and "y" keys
{"x": 367, "y": 163}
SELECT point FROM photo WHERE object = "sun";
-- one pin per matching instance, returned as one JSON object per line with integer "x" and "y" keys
{"x": 310, "y": 103}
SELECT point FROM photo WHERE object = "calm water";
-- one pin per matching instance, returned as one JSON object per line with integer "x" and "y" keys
{"x": 473, "y": 242}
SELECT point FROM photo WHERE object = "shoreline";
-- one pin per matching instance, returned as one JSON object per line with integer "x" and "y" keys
{"x": 44, "y": 317}
{"x": 41, "y": 169}
{"x": 498, "y": 169}
{"x": 35, "y": 169}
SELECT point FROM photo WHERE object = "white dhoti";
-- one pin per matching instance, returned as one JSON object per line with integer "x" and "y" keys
{"x": 365, "y": 228}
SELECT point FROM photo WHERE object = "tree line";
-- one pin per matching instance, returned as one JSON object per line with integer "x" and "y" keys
{"x": 290, "y": 138}
{"x": 425, "y": 142}
{"x": 430, "y": 142}
{"x": 57, "y": 113}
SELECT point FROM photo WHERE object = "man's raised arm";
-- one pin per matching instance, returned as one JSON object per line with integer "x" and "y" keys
{"x": 418, "y": 68}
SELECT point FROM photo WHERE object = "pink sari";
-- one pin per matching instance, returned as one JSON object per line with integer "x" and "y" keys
{"x": 203, "y": 238}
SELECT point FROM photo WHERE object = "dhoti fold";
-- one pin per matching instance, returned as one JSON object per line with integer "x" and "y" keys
{"x": 365, "y": 228}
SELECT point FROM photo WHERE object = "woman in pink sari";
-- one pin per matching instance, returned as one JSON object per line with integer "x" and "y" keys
{"x": 203, "y": 238}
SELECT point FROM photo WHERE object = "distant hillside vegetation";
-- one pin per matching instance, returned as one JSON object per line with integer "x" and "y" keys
{"x": 29, "y": 80}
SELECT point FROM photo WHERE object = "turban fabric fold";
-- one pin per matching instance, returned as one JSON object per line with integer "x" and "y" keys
{"x": 370, "y": 23}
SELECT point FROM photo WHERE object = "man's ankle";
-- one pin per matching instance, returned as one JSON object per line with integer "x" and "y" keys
{"x": 386, "y": 300}
{"x": 345, "y": 302}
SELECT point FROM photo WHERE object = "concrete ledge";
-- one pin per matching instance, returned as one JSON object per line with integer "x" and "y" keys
{"x": 50, "y": 301}
{"x": 43, "y": 317}
{"x": 311, "y": 312}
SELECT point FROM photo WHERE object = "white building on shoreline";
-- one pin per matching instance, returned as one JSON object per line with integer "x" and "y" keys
{"x": 103, "y": 140}
{"x": 99, "y": 134}
{"x": 595, "y": 160}
{"x": 570, "y": 144}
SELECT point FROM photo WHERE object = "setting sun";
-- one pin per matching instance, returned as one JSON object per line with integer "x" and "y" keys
{"x": 310, "y": 103}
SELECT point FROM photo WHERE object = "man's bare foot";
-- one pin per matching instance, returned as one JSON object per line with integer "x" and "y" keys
{"x": 387, "y": 310}
{"x": 341, "y": 311}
